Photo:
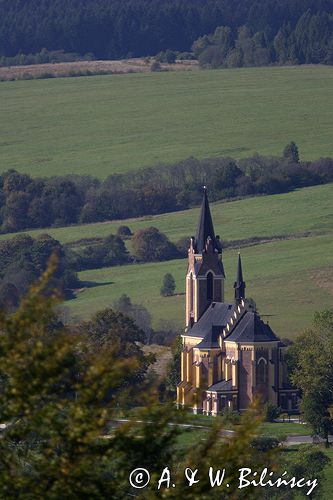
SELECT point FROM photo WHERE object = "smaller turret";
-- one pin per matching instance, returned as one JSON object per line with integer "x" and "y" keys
{"x": 239, "y": 285}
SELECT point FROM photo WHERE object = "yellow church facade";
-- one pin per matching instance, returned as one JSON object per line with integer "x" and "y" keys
{"x": 230, "y": 355}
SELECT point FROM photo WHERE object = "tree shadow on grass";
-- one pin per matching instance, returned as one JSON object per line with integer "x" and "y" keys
{"x": 94, "y": 284}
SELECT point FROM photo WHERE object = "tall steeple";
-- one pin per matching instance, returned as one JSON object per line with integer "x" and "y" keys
{"x": 205, "y": 228}
{"x": 205, "y": 273}
{"x": 239, "y": 285}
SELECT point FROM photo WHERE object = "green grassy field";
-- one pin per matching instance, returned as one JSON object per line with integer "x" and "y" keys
{"x": 289, "y": 280}
{"x": 309, "y": 209}
{"x": 104, "y": 124}
{"x": 284, "y": 429}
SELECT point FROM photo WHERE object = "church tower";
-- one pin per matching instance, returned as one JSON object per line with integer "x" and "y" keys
{"x": 205, "y": 273}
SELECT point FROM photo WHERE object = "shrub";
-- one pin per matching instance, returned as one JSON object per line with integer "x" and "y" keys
{"x": 264, "y": 443}
{"x": 168, "y": 56}
{"x": 150, "y": 245}
{"x": 124, "y": 232}
{"x": 155, "y": 66}
{"x": 272, "y": 412}
{"x": 230, "y": 417}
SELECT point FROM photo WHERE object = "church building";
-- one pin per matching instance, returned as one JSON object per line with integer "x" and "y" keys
{"x": 230, "y": 355}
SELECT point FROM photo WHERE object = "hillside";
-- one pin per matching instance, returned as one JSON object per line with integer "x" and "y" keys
{"x": 287, "y": 215}
{"x": 289, "y": 273}
{"x": 290, "y": 279}
{"x": 105, "y": 124}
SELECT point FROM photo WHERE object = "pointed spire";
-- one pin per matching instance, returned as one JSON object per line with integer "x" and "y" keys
{"x": 239, "y": 285}
{"x": 205, "y": 228}
{"x": 239, "y": 269}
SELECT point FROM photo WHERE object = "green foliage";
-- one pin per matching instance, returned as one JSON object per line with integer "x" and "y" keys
{"x": 138, "y": 28}
{"x": 54, "y": 438}
{"x": 44, "y": 57}
{"x": 60, "y": 394}
{"x": 230, "y": 417}
{"x": 168, "y": 56}
{"x": 58, "y": 398}
{"x": 235, "y": 452}
{"x": 290, "y": 153}
{"x": 152, "y": 190}
{"x": 155, "y": 66}
{"x": 23, "y": 259}
{"x": 264, "y": 443}
{"x": 309, "y": 41}
{"x": 124, "y": 232}
{"x": 311, "y": 357}
{"x": 137, "y": 312}
{"x": 96, "y": 253}
{"x": 37, "y": 203}
{"x": 149, "y": 245}
{"x": 173, "y": 375}
{"x": 310, "y": 462}
{"x": 272, "y": 412}
{"x": 168, "y": 286}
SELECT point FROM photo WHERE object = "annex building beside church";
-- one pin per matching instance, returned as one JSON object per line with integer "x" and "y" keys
{"x": 230, "y": 355}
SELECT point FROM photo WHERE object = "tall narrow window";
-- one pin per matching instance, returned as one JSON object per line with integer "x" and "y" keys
{"x": 262, "y": 371}
{"x": 191, "y": 292}
{"x": 210, "y": 286}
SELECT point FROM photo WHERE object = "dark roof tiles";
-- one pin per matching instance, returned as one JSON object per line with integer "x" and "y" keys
{"x": 223, "y": 385}
{"x": 217, "y": 315}
{"x": 251, "y": 328}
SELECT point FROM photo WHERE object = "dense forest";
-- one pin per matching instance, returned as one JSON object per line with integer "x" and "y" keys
{"x": 309, "y": 42}
{"x": 23, "y": 259}
{"x": 112, "y": 29}
{"x": 27, "y": 202}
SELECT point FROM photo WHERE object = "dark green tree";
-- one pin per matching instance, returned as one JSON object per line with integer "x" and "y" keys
{"x": 173, "y": 375}
{"x": 309, "y": 461}
{"x": 311, "y": 360}
{"x": 168, "y": 285}
{"x": 290, "y": 153}
{"x": 139, "y": 314}
{"x": 124, "y": 232}
{"x": 116, "y": 249}
{"x": 150, "y": 245}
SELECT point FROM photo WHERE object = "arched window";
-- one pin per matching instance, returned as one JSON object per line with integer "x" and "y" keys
{"x": 191, "y": 292}
{"x": 210, "y": 286}
{"x": 262, "y": 371}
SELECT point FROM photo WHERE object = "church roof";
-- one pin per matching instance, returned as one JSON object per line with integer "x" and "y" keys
{"x": 211, "y": 340}
{"x": 217, "y": 315}
{"x": 223, "y": 385}
{"x": 205, "y": 227}
{"x": 251, "y": 328}
{"x": 248, "y": 328}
